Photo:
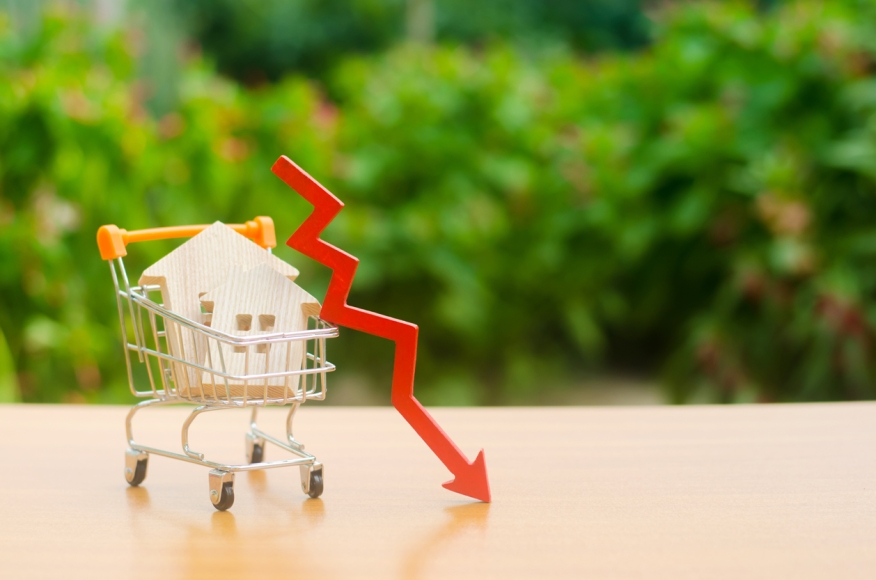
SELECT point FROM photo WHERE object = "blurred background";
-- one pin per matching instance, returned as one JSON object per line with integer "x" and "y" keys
{"x": 578, "y": 201}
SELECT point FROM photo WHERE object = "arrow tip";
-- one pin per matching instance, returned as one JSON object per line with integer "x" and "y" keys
{"x": 472, "y": 480}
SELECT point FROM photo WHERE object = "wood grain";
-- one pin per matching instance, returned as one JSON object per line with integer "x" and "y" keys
{"x": 253, "y": 302}
{"x": 760, "y": 492}
{"x": 194, "y": 268}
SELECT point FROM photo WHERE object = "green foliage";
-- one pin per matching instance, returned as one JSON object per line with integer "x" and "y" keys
{"x": 703, "y": 209}
{"x": 587, "y": 25}
{"x": 78, "y": 149}
{"x": 700, "y": 210}
{"x": 9, "y": 391}
{"x": 272, "y": 37}
{"x": 275, "y": 37}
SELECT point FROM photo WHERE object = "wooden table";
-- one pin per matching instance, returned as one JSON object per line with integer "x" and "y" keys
{"x": 658, "y": 492}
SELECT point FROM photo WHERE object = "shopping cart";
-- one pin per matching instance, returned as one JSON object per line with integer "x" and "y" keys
{"x": 154, "y": 336}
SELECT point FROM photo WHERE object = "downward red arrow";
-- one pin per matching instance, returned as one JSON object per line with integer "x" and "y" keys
{"x": 469, "y": 478}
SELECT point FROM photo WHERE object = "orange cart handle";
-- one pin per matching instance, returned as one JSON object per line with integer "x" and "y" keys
{"x": 113, "y": 240}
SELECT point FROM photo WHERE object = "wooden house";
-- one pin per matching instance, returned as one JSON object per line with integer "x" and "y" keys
{"x": 194, "y": 268}
{"x": 257, "y": 302}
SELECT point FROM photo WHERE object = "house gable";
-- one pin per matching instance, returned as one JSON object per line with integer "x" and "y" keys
{"x": 203, "y": 263}
{"x": 200, "y": 264}
{"x": 253, "y": 302}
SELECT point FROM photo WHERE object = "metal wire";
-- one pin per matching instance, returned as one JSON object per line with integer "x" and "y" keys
{"x": 189, "y": 374}
{"x": 183, "y": 371}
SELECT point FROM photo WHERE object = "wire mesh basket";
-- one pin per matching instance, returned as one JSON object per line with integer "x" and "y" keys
{"x": 185, "y": 359}
{"x": 188, "y": 361}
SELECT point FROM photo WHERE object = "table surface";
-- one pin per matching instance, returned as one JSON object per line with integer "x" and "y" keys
{"x": 782, "y": 491}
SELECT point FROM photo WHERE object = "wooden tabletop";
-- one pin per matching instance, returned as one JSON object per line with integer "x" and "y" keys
{"x": 652, "y": 492}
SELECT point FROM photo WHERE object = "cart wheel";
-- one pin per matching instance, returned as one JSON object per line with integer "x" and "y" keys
{"x": 135, "y": 467}
{"x": 258, "y": 453}
{"x": 315, "y": 484}
{"x": 255, "y": 448}
{"x": 226, "y": 497}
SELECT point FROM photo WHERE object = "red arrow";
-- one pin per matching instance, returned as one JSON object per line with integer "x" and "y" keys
{"x": 470, "y": 478}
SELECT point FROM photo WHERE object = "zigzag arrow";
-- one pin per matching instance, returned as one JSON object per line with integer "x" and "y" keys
{"x": 470, "y": 478}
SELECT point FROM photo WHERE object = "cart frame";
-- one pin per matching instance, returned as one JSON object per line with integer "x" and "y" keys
{"x": 141, "y": 318}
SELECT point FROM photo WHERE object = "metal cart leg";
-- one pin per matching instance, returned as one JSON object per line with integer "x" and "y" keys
{"x": 185, "y": 430}
{"x": 221, "y": 476}
{"x": 289, "y": 417}
{"x": 136, "y": 459}
{"x": 134, "y": 410}
{"x": 255, "y": 445}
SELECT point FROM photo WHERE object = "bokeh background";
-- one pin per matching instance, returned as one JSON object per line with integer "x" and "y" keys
{"x": 577, "y": 200}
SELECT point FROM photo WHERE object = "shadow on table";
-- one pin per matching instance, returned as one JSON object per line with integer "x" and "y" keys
{"x": 223, "y": 525}
{"x": 138, "y": 498}
{"x": 462, "y": 518}
{"x": 220, "y": 543}
{"x": 313, "y": 510}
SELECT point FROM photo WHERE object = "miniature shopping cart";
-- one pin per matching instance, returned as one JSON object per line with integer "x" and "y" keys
{"x": 170, "y": 350}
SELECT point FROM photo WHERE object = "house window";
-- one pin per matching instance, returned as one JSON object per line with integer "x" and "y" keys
{"x": 266, "y": 325}
{"x": 206, "y": 311}
{"x": 244, "y": 324}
